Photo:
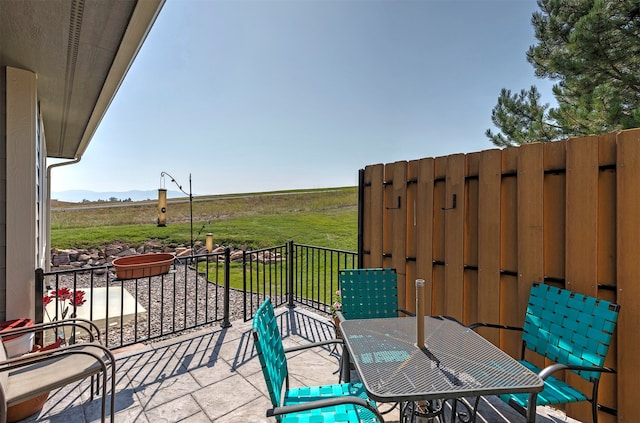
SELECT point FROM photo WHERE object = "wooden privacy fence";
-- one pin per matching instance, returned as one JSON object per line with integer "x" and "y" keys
{"x": 480, "y": 228}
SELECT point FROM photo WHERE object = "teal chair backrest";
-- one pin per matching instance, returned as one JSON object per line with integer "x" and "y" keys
{"x": 569, "y": 328}
{"x": 368, "y": 293}
{"x": 268, "y": 343}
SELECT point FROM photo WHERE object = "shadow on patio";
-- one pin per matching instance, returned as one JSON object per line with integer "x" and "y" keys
{"x": 213, "y": 374}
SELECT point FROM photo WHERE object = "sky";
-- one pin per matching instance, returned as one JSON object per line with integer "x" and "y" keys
{"x": 266, "y": 95}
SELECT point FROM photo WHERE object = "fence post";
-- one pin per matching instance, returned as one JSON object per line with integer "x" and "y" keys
{"x": 227, "y": 283}
{"x": 290, "y": 259}
{"x": 360, "y": 218}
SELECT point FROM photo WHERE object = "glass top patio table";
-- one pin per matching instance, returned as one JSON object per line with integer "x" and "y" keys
{"x": 456, "y": 363}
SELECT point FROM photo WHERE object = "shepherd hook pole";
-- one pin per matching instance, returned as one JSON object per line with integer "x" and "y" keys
{"x": 162, "y": 175}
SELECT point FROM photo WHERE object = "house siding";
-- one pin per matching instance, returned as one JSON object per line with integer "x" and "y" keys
{"x": 21, "y": 193}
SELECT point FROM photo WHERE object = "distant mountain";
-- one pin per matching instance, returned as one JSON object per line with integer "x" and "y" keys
{"x": 78, "y": 195}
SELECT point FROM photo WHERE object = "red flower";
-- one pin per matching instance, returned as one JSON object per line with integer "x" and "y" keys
{"x": 62, "y": 294}
{"x": 78, "y": 299}
{"x": 46, "y": 300}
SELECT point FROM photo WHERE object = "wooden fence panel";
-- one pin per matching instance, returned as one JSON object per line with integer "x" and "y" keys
{"x": 489, "y": 184}
{"x": 628, "y": 248}
{"x": 566, "y": 213}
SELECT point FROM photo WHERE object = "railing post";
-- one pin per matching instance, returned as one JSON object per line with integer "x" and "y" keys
{"x": 244, "y": 285}
{"x": 290, "y": 259}
{"x": 39, "y": 293}
{"x": 227, "y": 284}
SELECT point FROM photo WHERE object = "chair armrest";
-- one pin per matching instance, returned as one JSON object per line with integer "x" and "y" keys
{"x": 473, "y": 326}
{"x": 329, "y": 402}
{"x": 35, "y": 357}
{"x": 407, "y": 312}
{"x": 86, "y": 325}
{"x": 549, "y": 370}
{"x": 313, "y": 344}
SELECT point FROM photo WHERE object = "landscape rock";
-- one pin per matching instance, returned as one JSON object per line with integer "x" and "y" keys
{"x": 69, "y": 259}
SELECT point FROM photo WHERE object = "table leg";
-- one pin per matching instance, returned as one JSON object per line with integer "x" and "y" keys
{"x": 346, "y": 365}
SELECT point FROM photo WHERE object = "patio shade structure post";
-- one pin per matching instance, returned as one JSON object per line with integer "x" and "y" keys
{"x": 162, "y": 207}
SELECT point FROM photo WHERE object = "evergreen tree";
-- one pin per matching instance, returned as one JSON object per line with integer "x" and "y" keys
{"x": 592, "y": 48}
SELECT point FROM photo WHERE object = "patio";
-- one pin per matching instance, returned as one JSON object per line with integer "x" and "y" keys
{"x": 214, "y": 375}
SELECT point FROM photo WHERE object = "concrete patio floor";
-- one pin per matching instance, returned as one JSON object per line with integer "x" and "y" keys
{"x": 213, "y": 375}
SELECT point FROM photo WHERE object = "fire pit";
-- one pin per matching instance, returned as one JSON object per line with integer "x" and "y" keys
{"x": 143, "y": 265}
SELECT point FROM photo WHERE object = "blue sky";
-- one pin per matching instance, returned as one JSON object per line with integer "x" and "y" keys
{"x": 266, "y": 95}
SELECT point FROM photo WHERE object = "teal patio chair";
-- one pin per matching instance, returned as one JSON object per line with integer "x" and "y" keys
{"x": 369, "y": 293}
{"x": 346, "y": 402}
{"x": 572, "y": 330}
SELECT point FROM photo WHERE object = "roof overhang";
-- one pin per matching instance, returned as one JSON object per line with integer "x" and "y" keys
{"x": 80, "y": 51}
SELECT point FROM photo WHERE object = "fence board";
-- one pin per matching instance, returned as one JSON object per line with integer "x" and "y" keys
{"x": 470, "y": 241}
{"x": 581, "y": 210}
{"x": 530, "y": 220}
{"x": 439, "y": 235}
{"x": 396, "y": 215}
{"x": 509, "y": 211}
{"x": 509, "y": 310}
{"x": 454, "y": 232}
{"x": 581, "y": 234}
{"x": 424, "y": 229}
{"x": 608, "y": 393}
{"x": 607, "y": 210}
{"x": 554, "y": 216}
{"x": 374, "y": 206}
{"x": 628, "y": 248}
{"x": 489, "y": 184}
{"x": 530, "y": 224}
{"x": 410, "y": 267}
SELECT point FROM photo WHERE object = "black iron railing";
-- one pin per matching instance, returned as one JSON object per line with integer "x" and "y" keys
{"x": 204, "y": 289}
{"x": 134, "y": 310}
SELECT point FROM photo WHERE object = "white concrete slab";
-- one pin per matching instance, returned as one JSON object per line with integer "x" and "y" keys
{"x": 102, "y": 305}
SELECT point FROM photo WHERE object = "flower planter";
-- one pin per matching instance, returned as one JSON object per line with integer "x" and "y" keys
{"x": 24, "y": 409}
{"x": 143, "y": 265}
{"x": 17, "y": 345}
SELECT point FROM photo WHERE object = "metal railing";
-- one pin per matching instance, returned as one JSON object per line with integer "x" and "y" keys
{"x": 129, "y": 311}
{"x": 197, "y": 291}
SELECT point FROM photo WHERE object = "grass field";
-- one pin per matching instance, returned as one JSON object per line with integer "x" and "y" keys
{"x": 323, "y": 217}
